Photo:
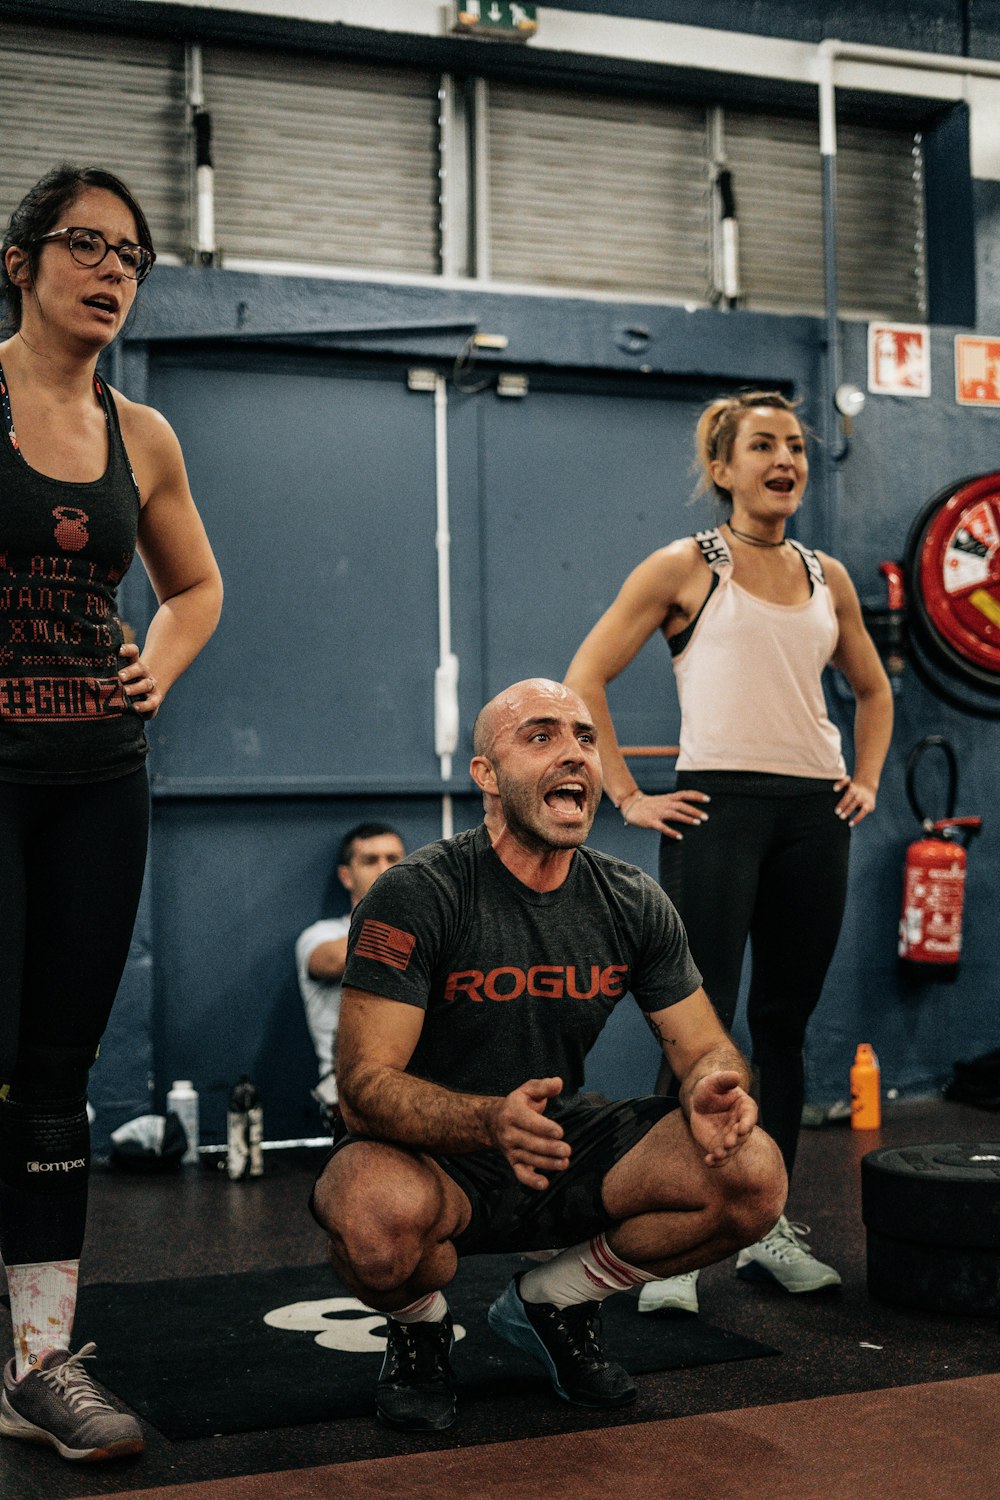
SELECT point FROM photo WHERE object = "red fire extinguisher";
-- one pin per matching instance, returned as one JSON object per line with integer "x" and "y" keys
{"x": 930, "y": 927}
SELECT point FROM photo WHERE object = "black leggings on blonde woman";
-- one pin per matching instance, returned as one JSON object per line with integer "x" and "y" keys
{"x": 770, "y": 864}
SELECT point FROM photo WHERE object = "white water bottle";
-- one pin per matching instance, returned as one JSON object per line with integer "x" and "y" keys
{"x": 183, "y": 1100}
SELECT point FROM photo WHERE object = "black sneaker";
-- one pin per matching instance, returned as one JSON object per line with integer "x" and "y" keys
{"x": 566, "y": 1342}
{"x": 414, "y": 1390}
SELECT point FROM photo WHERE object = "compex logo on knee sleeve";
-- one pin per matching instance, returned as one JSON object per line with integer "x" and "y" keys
{"x": 44, "y": 1146}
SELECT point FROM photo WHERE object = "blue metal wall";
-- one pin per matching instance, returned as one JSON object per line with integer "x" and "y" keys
{"x": 313, "y": 466}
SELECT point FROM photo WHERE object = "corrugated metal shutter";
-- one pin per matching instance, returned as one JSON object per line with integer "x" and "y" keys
{"x": 778, "y": 182}
{"x": 881, "y": 265}
{"x": 598, "y": 192}
{"x": 324, "y": 162}
{"x": 104, "y": 101}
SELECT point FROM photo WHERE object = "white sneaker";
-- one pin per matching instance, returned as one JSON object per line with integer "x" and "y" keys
{"x": 783, "y": 1256}
{"x": 675, "y": 1294}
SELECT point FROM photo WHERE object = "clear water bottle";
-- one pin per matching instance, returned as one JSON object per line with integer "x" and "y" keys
{"x": 244, "y": 1132}
{"x": 183, "y": 1101}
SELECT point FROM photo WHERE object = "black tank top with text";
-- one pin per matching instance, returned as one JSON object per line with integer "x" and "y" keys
{"x": 64, "y": 548}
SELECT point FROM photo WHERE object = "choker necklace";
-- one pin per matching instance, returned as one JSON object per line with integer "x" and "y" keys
{"x": 755, "y": 541}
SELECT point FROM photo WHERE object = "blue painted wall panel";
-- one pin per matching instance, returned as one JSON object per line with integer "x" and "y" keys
{"x": 577, "y": 489}
{"x": 318, "y": 493}
{"x": 121, "y": 1081}
{"x": 234, "y": 883}
{"x": 903, "y": 452}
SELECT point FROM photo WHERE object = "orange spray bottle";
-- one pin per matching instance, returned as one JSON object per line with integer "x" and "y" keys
{"x": 866, "y": 1095}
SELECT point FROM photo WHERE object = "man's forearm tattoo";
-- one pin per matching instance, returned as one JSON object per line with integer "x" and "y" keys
{"x": 658, "y": 1031}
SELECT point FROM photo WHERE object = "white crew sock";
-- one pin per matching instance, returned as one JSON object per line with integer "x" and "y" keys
{"x": 429, "y": 1309}
{"x": 584, "y": 1273}
{"x": 42, "y": 1307}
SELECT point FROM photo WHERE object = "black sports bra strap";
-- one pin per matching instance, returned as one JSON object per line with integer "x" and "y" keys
{"x": 813, "y": 565}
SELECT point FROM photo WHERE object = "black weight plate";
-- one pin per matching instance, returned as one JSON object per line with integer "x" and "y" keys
{"x": 947, "y": 1193}
{"x": 933, "y": 1277}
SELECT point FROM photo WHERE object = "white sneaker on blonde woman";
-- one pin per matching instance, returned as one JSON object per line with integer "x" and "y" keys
{"x": 674, "y": 1294}
{"x": 783, "y": 1256}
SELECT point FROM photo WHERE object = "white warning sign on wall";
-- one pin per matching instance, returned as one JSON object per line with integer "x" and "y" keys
{"x": 899, "y": 359}
{"x": 977, "y": 371}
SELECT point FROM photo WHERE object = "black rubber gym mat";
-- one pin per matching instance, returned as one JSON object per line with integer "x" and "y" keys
{"x": 209, "y": 1355}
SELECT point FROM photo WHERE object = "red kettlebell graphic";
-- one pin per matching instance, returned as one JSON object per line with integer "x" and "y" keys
{"x": 71, "y": 527}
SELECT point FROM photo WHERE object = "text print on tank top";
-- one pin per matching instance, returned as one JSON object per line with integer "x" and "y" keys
{"x": 65, "y": 548}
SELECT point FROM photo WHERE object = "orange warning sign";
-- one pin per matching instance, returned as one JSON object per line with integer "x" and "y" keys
{"x": 899, "y": 359}
{"x": 977, "y": 371}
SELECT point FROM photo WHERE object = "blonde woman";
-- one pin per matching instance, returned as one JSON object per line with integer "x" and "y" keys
{"x": 755, "y": 837}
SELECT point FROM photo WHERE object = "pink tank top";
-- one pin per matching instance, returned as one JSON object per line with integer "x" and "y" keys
{"x": 748, "y": 677}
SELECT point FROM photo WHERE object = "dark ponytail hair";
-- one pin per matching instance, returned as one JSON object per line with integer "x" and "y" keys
{"x": 43, "y": 206}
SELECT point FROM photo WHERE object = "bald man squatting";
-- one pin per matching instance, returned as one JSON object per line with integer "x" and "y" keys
{"x": 480, "y": 972}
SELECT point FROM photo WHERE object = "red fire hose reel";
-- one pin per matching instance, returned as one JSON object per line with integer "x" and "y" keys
{"x": 953, "y": 594}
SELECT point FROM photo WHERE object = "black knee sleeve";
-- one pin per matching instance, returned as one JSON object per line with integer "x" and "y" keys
{"x": 44, "y": 1147}
{"x": 44, "y": 1171}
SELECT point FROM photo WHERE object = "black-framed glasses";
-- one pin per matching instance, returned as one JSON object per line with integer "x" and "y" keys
{"x": 88, "y": 247}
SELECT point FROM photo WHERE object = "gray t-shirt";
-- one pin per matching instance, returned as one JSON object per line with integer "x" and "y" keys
{"x": 515, "y": 983}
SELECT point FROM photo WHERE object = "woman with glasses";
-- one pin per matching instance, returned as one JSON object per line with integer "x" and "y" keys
{"x": 754, "y": 840}
{"x": 87, "y": 478}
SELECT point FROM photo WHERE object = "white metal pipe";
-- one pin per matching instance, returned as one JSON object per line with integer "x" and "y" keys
{"x": 196, "y": 91}
{"x": 482, "y": 268}
{"x": 899, "y": 57}
{"x": 205, "y": 179}
{"x": 446, "y": 676}
{"x": 832, "y": 50}
{"x": 827, "y": 107}
{"x": 204, "y": 175}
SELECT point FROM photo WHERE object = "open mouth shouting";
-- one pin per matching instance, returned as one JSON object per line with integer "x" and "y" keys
{"x": 782, "y": 485}
{"x": 568, "y": 798}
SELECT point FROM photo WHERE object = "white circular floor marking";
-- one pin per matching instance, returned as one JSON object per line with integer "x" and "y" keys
{"x": 336, "y": 1323}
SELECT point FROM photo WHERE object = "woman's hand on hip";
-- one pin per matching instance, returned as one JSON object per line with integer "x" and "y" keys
{"x": 857, "y": 802}
{"x": 138, "y": 682}
{"x": 664, "y": 810}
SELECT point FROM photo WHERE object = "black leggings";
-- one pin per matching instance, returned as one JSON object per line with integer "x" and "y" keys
{"x": 72, "y": 860}
{"x": 770, "y": 864}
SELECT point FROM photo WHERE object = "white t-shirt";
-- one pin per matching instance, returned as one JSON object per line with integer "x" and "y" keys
{"x": 320, "y": 997}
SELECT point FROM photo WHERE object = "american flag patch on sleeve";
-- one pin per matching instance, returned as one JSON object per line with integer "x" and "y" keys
{"x": 387, "y": 945}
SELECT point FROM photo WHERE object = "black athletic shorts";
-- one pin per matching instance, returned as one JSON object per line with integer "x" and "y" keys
{"x": 508, "y": 1217}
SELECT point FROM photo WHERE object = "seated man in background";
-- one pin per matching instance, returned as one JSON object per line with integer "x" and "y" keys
{"x": 321, "y": 951}
{"x": 481, "y": 971}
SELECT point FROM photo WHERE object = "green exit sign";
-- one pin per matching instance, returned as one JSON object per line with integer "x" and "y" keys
{"x": 506, "y": 19}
